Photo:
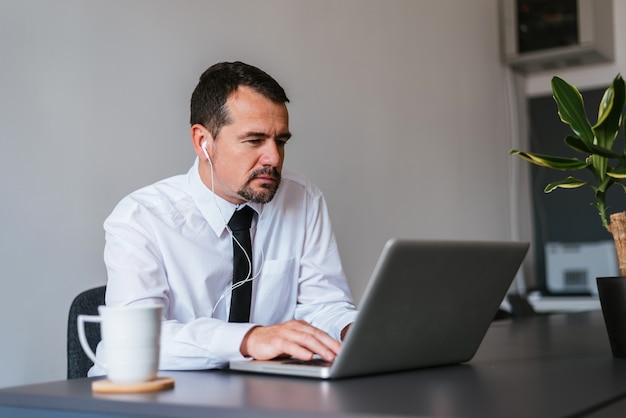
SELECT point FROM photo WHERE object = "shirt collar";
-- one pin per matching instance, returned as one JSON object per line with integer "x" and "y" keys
{"x": 216, "y": 211}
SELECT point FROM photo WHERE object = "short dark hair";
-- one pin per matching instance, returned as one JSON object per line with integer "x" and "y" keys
{"x": 218, "y": 82}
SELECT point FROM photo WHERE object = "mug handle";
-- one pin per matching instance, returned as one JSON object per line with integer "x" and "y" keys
{"x": 83, "y": 339}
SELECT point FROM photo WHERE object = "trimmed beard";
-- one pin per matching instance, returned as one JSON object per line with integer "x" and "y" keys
{"x": 269, "y": 190}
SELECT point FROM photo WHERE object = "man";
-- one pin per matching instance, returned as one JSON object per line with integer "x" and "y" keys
{"x": 172, "y": 243}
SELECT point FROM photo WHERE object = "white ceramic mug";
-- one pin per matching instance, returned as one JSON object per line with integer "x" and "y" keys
{"x": 131, "y": 341}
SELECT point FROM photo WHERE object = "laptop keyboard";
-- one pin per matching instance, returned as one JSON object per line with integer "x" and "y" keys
{"x": 314, "y": 362}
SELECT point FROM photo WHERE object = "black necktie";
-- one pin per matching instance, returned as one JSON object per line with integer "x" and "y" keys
{"x": 239, "y": 224}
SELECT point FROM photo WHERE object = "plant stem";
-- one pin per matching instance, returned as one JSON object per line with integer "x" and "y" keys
{"x": 601, "y": 206}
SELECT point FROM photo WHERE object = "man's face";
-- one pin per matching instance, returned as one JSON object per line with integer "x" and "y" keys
{"x": 248, "y": 153}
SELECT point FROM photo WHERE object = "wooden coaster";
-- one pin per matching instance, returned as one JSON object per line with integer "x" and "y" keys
{"x": 155, "y": 385}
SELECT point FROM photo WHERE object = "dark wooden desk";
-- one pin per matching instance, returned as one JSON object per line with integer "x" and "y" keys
{"x": 552, "y": 366}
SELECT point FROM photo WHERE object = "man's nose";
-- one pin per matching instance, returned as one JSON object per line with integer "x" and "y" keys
{"x": 271, "y": 154}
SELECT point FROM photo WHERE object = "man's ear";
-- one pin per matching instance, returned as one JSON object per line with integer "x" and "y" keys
{"x": 199, "y": 136}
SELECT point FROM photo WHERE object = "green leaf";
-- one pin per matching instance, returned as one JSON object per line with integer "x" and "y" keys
{"x": 556, "y": 163}
{"x": 610, "y": 113}
{"x": 568, "y": 183}
{"x": 617, "y": 174}
{"x": 578, "y": 144}
{"x": 571, "y": 108}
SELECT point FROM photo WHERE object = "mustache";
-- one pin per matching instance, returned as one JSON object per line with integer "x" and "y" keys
{"x": 265, "y": 171}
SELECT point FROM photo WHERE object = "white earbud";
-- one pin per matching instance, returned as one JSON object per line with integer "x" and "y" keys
{"x": 206, "y": 153}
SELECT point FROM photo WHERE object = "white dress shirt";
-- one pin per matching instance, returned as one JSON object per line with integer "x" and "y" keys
{"x": 168, "y": 244}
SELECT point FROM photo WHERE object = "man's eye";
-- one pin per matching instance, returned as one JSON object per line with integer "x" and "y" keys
{"x": 281, "y": 144}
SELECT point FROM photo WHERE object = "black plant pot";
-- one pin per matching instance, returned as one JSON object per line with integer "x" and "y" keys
{"x": 612, "y": 294}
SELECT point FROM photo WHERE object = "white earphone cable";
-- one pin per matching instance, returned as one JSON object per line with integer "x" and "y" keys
{"x": 249, "y": 276}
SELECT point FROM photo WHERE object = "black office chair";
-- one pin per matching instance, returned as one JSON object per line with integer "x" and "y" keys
{"x": 520, "y": 306}
{"x": 502, "y": 314}
{"x": 86, "y": 303}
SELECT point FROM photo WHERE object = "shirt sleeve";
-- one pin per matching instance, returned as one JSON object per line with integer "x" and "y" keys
{"x": 324, "y": 298}
{"x": 136, "y": 275}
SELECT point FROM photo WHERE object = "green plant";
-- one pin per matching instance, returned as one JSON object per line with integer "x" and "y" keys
{"x": 595, "y": 142}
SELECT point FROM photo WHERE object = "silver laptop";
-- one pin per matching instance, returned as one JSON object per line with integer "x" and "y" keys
{"x": 428, "y": 303}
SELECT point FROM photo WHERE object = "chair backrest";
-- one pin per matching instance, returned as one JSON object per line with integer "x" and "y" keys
{"x": 520, "y": 306}
{"x": 86, "y": 303}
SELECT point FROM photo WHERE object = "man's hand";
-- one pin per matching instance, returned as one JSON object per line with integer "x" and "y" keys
{"x": 344, "y": 331}
{"x": 292, "y": 338}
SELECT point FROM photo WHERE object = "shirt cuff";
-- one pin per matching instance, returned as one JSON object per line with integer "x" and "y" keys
{"x": 226, "y": 341}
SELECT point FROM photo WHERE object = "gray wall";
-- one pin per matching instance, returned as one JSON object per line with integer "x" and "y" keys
{"x": 399, "y": 113}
